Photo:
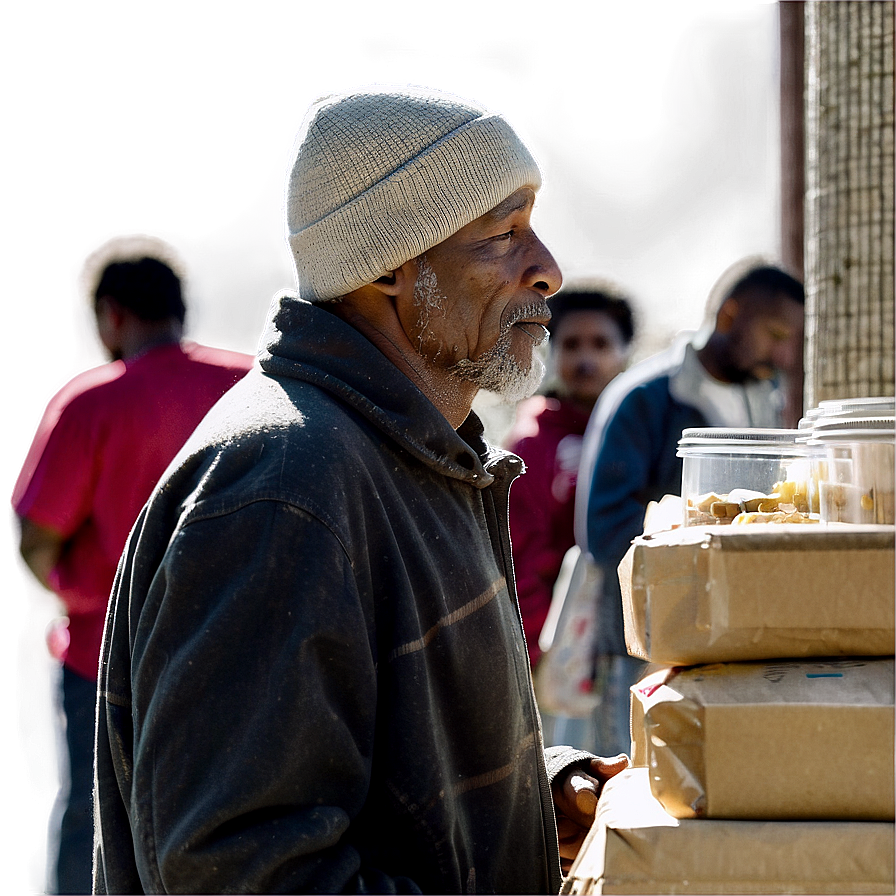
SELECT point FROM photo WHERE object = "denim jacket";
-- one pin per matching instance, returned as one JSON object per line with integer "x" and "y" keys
{"x": 313, "y": 677}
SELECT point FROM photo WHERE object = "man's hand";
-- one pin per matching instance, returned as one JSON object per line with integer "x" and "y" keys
{"x": 575, "y": 801}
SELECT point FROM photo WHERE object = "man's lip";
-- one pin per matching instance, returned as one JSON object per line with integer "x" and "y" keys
{"x": 535, "y": 331}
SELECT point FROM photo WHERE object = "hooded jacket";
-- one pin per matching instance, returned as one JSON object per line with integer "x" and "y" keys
{"x": 313, "y": 676}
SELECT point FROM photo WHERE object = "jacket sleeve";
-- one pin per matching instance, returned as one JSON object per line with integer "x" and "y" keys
{"x": 621, "y": 475}
{"x": 253, "y": 670}
{"x": 560, "y": 758}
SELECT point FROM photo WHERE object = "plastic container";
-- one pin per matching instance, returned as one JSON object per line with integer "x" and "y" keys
{"x": 856, "y": 469}
{"x": 744, "y": 476}
{"x": 814, "y": 454}
{"x": 864, "y": 408}
{"x": 827, "y": 412}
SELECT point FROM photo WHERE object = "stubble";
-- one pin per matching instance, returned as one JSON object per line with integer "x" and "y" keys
{"x": 497, "y": 368}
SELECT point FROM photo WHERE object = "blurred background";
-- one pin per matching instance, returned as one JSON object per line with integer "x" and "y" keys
{"x": 655, "y": 124}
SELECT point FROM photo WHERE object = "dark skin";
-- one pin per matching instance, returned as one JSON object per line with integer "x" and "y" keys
{"x": 589, "y": 350}
{"x": 756, "y": 335}
{"x": 487, "y": 270}
{"x": 575, "y": 803}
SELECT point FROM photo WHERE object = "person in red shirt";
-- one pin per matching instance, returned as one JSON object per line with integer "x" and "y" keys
{"x": 102, "y": 445}
{"x": 591, "y": 329}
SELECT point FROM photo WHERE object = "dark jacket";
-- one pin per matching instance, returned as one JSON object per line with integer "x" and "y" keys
{"x": 313, "y": 677}
{"x": 630, "y": 456}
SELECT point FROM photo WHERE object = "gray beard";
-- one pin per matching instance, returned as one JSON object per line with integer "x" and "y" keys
{"x": 496, "y": 369}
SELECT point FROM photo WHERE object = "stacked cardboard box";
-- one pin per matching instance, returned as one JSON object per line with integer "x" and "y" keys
{"x": 763, "y": 737}
{"x": 635, "y": 846}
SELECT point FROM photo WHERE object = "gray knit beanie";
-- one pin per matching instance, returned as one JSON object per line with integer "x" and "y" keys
{"x": 381, "y": 177}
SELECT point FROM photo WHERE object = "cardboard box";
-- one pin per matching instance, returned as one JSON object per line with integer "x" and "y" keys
{"x": 637, "y": 847}
{"x": 728, "y": 593}
{"x": 785, "y": 740}
{"x": 654, "y": 677}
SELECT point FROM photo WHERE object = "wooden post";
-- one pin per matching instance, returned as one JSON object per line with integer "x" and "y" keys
{"x": 849, "y": 199}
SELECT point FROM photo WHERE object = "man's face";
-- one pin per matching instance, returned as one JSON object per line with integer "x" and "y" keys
{"x": 480, "y": 300}
{"x": 765, "y": 338}
{"x": 589, "y": 351}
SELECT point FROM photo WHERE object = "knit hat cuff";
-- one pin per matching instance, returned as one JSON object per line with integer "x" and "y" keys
{"x": 451, "y": 183}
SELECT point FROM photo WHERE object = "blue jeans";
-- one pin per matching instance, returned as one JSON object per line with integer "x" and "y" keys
{"x": 612, "y": 717}
{"x": 71, "y": 825}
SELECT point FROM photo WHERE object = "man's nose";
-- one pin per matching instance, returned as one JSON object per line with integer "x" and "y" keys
{"x": 543, "y": 273}
{"x": 785, "y": 354}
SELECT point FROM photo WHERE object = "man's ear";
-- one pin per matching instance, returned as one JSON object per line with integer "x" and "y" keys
{"x": 111, "y": 322}
{"x": 110, "y": 310}
{"x": 727, "y": 313}
{"x": 399, "y": 281}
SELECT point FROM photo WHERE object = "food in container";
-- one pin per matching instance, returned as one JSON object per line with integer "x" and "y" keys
{"x": 856, "y": 470}
{"x": 744, "y": 476}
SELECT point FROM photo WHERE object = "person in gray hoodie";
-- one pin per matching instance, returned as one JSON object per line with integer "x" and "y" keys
{"x": 314, "y": 676}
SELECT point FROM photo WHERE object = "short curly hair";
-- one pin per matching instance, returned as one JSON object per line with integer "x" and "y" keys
{"x": 755, "y": 275}
{"x": 594, "y": 295}
{"x": 142, "y": 274}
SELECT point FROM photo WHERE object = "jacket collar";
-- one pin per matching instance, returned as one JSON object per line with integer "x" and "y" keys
{"x": 305, "y": 342}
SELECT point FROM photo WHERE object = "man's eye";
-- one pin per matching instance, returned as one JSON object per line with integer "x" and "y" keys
{"x": 505, "y": 236}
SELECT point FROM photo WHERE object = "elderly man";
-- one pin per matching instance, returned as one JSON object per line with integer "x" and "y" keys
{"x": 314, "y": 677}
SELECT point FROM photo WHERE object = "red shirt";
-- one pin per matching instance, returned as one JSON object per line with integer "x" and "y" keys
{"x": 103, "y": 443}
{"x": 547, "y": 435}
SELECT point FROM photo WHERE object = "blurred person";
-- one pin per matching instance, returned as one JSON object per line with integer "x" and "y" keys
{"x": 314, "y": 677}
{"x": 728, "y": 374}
{"x": 101, "y": 446}
{"x": 591, "y": 329}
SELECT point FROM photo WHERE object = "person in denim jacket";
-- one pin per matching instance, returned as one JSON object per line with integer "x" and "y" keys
{"x": 727, "y": 374}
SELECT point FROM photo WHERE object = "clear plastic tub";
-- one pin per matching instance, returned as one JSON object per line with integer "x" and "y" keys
{"x": 864, "y": 408}
{"x": 827, "y": 412}
{"x": 856, "y": 469}
{"x": 745, "y": 476}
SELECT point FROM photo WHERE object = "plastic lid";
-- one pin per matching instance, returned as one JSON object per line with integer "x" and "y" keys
{"x": 881, "y": 406}
{"x": 856, "y": 429}
{"x": 808, "y": 421}
{"x": 720, "y": 435}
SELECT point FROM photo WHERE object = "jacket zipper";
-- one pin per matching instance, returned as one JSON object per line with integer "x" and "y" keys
{"x": 505, "y": 470}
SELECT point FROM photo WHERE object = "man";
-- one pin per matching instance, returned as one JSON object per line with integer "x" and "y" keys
{"x": 725, "y": 376}
{"x": 313, "y": 677}
{"x": 591, "y": 329}
{"x": 103, "y": 443}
